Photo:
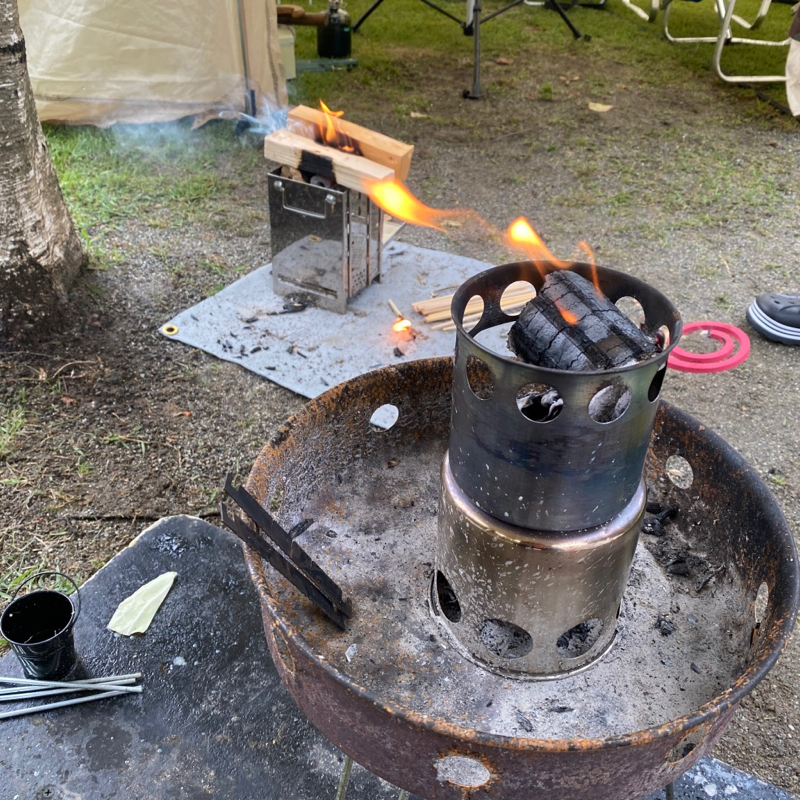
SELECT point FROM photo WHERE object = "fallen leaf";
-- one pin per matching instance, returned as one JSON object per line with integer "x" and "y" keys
{"x": 601, "y": 108}
{"x": 419, "y": 115}
{"x": 504, "y": 62}
{"x": 135, "y": 613}
{"x": 67, "y": 401}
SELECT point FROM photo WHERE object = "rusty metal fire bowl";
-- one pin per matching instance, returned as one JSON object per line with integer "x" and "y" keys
{"x": 707, "y": 610}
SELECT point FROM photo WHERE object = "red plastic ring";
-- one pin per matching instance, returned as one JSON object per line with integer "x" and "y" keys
{"x": 718, "y": 361}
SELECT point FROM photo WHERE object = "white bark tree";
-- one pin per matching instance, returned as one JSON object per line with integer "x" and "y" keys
{"x": 40, "y": 250}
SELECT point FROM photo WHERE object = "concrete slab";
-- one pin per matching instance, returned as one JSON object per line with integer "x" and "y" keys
{"x": 213, "y": 721}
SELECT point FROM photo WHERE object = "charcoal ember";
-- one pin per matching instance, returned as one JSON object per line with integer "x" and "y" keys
{"x": 597, "y": 336}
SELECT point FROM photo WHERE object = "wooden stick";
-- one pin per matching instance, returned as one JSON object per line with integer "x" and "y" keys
{"x": 371, "y": 144}
{"x": 438, "y": 305}
{"x": 395, "y": 308}
{"x": 354, "y": 172}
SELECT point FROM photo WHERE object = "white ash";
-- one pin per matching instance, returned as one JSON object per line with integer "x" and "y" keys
{"x": 406, "y": 656}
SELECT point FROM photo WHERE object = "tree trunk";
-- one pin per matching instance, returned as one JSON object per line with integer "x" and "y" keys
{"x": 40, "y": 251}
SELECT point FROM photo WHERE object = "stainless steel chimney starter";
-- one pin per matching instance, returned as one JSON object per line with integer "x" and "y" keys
{"x": 541, "y": 503}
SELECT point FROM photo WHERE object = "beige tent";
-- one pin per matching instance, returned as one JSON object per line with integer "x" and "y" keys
{"x": 99, "y": 62}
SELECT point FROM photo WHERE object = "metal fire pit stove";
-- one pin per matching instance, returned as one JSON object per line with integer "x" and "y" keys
{"x": 445, "y": 705}
{"x": 326, "y": 241}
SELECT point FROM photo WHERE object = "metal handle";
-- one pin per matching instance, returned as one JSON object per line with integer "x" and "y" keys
{"x": 330, "y": 202}
{"x": 52, "y": 572}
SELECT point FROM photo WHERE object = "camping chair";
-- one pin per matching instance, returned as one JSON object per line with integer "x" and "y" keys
{"x": 648, "y": 14}
{"x": 471, "y": 25}
{"x": 725, "y": 12}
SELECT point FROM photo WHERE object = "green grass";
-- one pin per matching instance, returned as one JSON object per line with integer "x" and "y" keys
{"x": 165, "y": 175}
{"x": 12, "y": 421}
{"x": 402, "y": 32}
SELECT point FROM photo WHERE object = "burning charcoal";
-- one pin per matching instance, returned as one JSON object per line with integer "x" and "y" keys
{"x": 665, "y": 626}
{"x": 569, "y": 325}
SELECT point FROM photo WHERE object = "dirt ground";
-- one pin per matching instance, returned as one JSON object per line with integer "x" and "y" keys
{"x": 694, "y": 190}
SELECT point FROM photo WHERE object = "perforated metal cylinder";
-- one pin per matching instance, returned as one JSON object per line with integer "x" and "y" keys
{"x": 542, "y": 494}
{"x": 531, "y": 603}
{"x": 570, "y": 471}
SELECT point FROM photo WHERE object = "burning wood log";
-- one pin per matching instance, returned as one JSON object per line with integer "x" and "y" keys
{"x": 571, "y": 325}
{"x": 354, "y": 172}
{"x": 311, "y": 123}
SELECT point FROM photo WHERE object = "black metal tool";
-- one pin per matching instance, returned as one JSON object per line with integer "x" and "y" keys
{"x": 299, "y": 568}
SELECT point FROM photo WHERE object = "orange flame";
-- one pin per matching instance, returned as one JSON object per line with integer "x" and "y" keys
{"x": 401, "y": 326}
{"x": 331, "y": 133}
{"x": 569, "y": 317}
{"x": 520, "y": 234}
{"x": 393, "y": 197}
{"x": 589, "y": 255}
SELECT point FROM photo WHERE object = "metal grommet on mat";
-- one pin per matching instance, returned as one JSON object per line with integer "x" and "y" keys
{"x": 169, "y": 330}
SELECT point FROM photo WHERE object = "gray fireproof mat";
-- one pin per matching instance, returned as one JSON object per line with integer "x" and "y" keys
{"x": 213, "y": 720}
{"x": 313, "y": 350}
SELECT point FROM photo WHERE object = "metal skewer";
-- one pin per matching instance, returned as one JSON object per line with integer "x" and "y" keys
{"x": 88, "y": 683}
{"x": 62, "y": 704}
{"x": 99, "y": 687}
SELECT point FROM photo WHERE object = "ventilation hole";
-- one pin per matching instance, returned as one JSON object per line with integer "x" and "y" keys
{"x": 632, "y": 309}
{"x": 472, "y": 312}
{"x": 663, "y": 337}
{"x": 655, "y": 385}
{"x": 539, "y": 402}
{"x": 762, "y": 600}
{"x": 610, "y": 402}
{"x": 515, "y": 296}
{"x": 462, "y": 771}
{"x": 385, "y": 416}
{"x": 448, "y": 602}
{"x": 679, "y": 471}
{"x": 687, "y": 745}
{"x": 579, "y": 640}
{"x": 480, "y": 378}
{"x": 505, "y": 639}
